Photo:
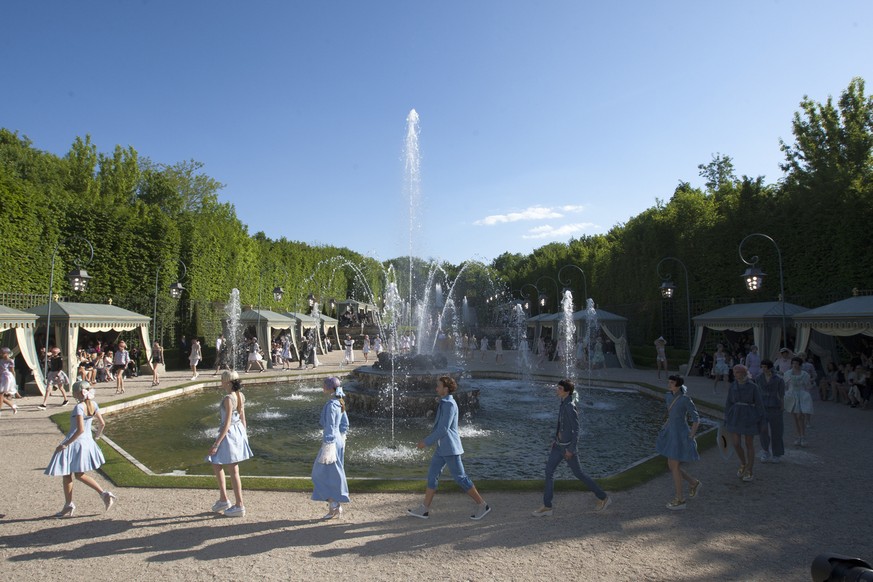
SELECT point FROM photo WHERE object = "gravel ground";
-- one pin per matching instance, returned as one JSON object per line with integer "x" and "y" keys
{"x": 817, "y": 500}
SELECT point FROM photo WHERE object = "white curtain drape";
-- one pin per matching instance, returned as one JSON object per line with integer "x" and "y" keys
{"x": 27, "y": 346}
{"x": 615, "y": 332}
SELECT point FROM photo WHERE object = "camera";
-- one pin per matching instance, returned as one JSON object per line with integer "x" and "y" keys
{"x": 839, "y": 568}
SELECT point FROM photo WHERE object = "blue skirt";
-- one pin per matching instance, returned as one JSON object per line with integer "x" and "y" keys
{"x": 329, "y": 481}
{"x": 81, "y": 456}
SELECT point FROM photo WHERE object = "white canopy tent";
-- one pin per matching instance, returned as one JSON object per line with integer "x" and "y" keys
{"x": 68, "y": 318}
{"x": 852, "y": 316}
{"x": 763, "y": 318}
{"x": 265, "y": 323}
{"x": 305, "y": 323}
{"x": 17, "y": 333}
{"x": 612, "y": 325}
{"x": 329, "y": 324}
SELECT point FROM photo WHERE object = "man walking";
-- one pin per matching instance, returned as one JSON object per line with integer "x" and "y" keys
{"x": 772, "y": 425}
{"x": 564, "y": 449}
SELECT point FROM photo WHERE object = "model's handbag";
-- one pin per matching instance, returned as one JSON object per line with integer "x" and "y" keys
{"x": 327, "y": 454}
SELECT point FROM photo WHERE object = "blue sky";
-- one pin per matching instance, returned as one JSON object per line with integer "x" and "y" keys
{"x": 540, "y": 121}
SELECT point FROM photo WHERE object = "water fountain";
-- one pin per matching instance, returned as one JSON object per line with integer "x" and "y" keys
{"x": 234, "y": 332}
{"x": 282, "y": 415}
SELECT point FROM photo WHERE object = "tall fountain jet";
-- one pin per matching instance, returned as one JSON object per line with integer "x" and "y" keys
{"x": 412, "y": 188}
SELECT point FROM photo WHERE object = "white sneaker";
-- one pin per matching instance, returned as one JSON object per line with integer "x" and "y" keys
{"x": 482, "y": 510}
{"x": 542, "y": 512}
{"x": 236, "y": 511}
{"x": 603, "y": 503}
{"x": 220, "y": 506}
{"x": 420, "y": 512}
{"x": 764, "y": 456}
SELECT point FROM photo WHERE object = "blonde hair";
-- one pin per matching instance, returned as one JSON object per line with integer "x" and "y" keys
{"x": 232, "y": 377}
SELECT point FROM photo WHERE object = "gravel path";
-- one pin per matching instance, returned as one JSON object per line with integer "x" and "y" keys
{"x": 818, "y": 500}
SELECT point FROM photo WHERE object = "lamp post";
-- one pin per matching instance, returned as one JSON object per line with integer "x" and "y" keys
{"x": 78, "y": 279}
{"x": 584, "y": 280}
{"x": 175, "y": 292}
{"x": 526, "y": 300}
{"x": 557, "y": 290}
{"x": 754, "y": 276}
{"x": 278, "y": 293}
{"x": 668, "y": 288}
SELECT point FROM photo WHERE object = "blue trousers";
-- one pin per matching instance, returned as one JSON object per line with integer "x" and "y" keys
{"x": 456, "y": 468}
{"x": 556, "y": 455}
{"x": 772, "y": 428}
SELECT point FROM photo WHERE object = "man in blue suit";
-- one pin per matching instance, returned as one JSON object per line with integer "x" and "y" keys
{"x": 448, "y": 452}
{"x": 564, "y": 449}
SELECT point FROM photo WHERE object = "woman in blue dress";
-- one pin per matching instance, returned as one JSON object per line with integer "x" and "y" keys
{"x": 231, "y": 446}
{"x": 743, "y": 411}
{"x": 720, "y": 367}
{"x": 676, "y": 440}
{"x": 328, "y": 471}
{"x": 78, "y": 452}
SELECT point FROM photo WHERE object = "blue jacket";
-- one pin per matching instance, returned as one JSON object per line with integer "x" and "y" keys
{"x": 567, "y": 432}
{"x": 333, "y": 420}
{"x": 445, "y": 429}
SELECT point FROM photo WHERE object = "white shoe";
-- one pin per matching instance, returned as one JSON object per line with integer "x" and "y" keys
{"x": 108, "y": 499}
{"x": 420, "y": 512}
{"x": 482, "y": 510}
{"x": 220, "y": 506}
{"x": 235, "y": 511}
{"x": 67, "y": 511}
{"x": 542, "y": 512}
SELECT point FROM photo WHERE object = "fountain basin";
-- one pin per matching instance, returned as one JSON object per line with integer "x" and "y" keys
{"x": 619, "y": 428}
{"x": 414, "y": 379}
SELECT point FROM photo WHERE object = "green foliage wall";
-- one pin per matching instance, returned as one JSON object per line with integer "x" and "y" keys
{"x": 144, "y": 217}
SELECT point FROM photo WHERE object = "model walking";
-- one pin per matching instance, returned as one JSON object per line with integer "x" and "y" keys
{"x": 157, "y": 361}
{"x": 448, "y": 452}
{"x": 798, "y": 401}
{"x": 231, "y": 446}
{"x": 78, "y": 452}
{"x": 194, "y": 357}
{"x": 8, "y": 387}
{"x": 743, "y": 413}
{"x": 328, "y": 471}
{"x": 120, "y": 360}
{"x": 661, "y": 355}
{"x": 563, "y": 448}
{"x": 676, "y": 441}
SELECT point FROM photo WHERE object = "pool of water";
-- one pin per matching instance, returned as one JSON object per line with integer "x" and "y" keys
{"x": 507, "y": 438}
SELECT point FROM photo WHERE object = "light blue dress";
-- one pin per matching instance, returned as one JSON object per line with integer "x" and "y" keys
{"x": 234, "y": 447}
{"x": 673, "y": 441}
{"x": 329, "y": 481}
{"x": 82, "y": 454}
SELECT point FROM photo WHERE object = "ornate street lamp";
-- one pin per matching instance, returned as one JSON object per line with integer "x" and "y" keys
{"x": 557, "y": 289}
{"x": 668, "y": 290}
{"x": 78, "y": 279}
{"x": 754, "y": 277}
{"x": 175, "y": 292}
{"x": 568, "y": 282}
{"x": 526, "y": 298}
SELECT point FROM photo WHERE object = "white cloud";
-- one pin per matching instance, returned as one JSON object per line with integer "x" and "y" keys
{"x": 566, "y": 230}
{"x": 532, "y": 213}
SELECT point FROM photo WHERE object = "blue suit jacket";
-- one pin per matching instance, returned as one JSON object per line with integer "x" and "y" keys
{"x": 445, "y": 429}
